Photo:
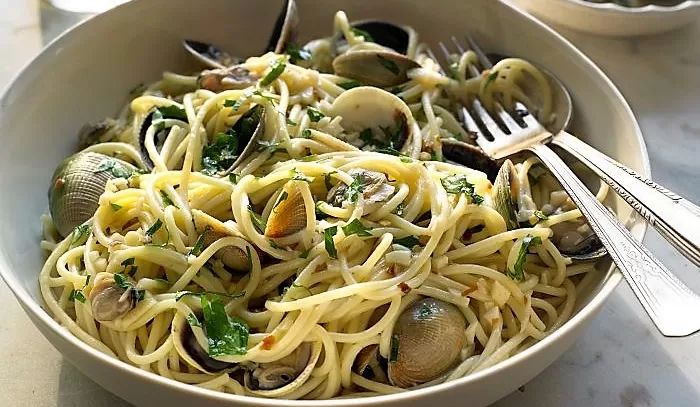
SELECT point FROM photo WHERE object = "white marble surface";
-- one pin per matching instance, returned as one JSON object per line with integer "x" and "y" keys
{"x": 620, "y": 361}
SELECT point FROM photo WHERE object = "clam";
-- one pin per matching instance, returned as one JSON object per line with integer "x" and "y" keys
{"x": 77, "y": 184}
{"x": 374, "y": 185}
{"x": 428, "y": 339}
{"x": 233, "y": 257}
{"x": 289, "y": 213}
{"x": 98, "y": 132}
{"x": 249, "y": 128}
{"x": 387, "y": 116}
{"x": 513, "y": 201}
{"x": 109, "y": 301}
{"x": 375, "y": 67}
{"x": 219, "y": 80}
{"x": 369, "y": 363}
{"x": 470, "y": 156}
{"x": 284, "y": 375}
{"x": 385, "y": 34}
{"x": 191, "y": 351}
{"x": 284, "y": 32}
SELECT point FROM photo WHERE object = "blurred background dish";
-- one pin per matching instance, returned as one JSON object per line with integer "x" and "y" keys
{"x": 612, "y": 18}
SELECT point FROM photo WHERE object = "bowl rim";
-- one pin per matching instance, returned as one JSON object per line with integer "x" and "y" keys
{"x": 612, "y": 278}
{"x": 614, "y": 8}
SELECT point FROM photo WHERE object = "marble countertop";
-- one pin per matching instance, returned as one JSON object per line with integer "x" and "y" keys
{"x": 621, "y": 360}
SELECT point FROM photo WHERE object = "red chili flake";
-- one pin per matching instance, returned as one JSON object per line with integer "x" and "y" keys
{"x": 268, "y": 341}
{"x": 59, "y": 182}
{"x": 405, "y": 288}
{"x": 468, "y": 291}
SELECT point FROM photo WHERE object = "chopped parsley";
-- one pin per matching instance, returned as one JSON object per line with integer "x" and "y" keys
{"x": 389, "y": 65}
{"x": 233, "y": 178}
{"x": 397, "y": 135}
{"x": 259, "y": 224}
{"x": 275, "y": 245}
{"x": 297, "y": 54}
{"x": 353, "y": 191}
{"x": 79, "y": 235}
{"x": 299, "y": 176}
{"x": 123, "y": 282}
{"x": 306, "y": 133}
{"x": 166, "y": 199}
{"x": 314, "y": 114}
{"x": 349, "y": 84}
{"x": 250, "y": 257}
{"x": 129, "y": 267}
{"x": 541, "y": 216}
{"x": 192, "y": 320}
{"x": 491, "y": 79}
{"x": 199, "y": 244}
{"x": 356, "y": 227}
{"x": 236, "y": 104}
{"x": 154, "y": 228}
{"x": 517, "y": 273}
{"x": 114, "y": 167}
{"x": 453, "y": 71}
{"x": 305, "y": 253}
{"x": 291, "y": 122}
{"x": 283, "y": 197}
{"x": 409, "y": 241}
{"x": 278, "y": 67}
{"x": 367, "y": 138}
{"x": 329, "y": 243}
{"x": 167, "y": 112}
{"x": 181, "y": 294}
{"x": 225, "y": 335}
{"x": 458, "y": 184}
{"x": 400, "y": 208}
{"x": 362, "y": 33}
{"x": 115, "y": 207}
{"x": 78, "y": 295}
{"x": 221, "y": 154}
{"x": 394, "y": 355}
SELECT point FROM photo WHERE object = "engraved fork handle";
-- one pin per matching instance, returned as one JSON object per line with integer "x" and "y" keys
{"x": 677, "y": 219}
{"x": 664, "y": 297}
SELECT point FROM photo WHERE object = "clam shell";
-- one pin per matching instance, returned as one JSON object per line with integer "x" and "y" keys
{"x": 505, "y": 195}
{"x": 76, "y": 187}
{"x": 108, "y": 301}
{"x": 469, "y": 156}
{"x": 302, "y": 362}
{"x": 376, "y": 67}
{"x": 289, "y": 215}
{"x": 430, "y": 339}
{"x": 191, "y": 352}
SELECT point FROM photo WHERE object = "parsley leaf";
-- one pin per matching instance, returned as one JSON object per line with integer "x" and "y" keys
{"x": 79, "y": 235}
{"x": 356, "y": 227}
{"x": 329, "y": 243}
{"x": 306, "y": 133}
{"x": 409, "y": 241}
{"x": 541, "y": 216}
{"x": 115, "y": 207}
{"x": 225, "y": 335}
{"x": 283, "y": 197}
{"x": 314, "y": 114}
{"x": 274, "y": 245}
{"x": 278, "y": 67}
{"x": 291, "y": 122}
{"x": 166, "y": 199}
{"x": 181, "y": 294}
{"x": 458, "y": 184}
{"x": 259, "y": 224}
{"x": 199, "y": 244}
{"x": 353, "y": 191}
{"x": 192, "y": 320}
{"x": 363, "y": 33}
{"x": 394, "y": 355}
{"x": 349, "y": 84}
{"x": 116, "y": 168}
{"x": 299, "y": 176}
{"x": 78, "y": 295}
{"x": 518, "y": 273}
{"x": 154, "y": 228}
{"x": 221, "y": 154}
{"x": 167, "y": 112}
{"x": 305, "y": 253}
{"x": 233, "y": 177}
{"x": 297, "y": 54}
{"x": 327, "y": 179}
{"x": 367, "y": 138}
{"x": 389, "y": 65}
{"x": 491, "y": 79}
{"x": 122, "y": 282}
{"x": 400, "y": 208}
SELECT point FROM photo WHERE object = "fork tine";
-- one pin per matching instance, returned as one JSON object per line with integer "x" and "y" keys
{"x": 528, "y": 118}
{"x": 483, "y": 59}
{"x": 507, "y": 119}
{"x": 470, "y": 124}
{"x": 473, "y": 70}
{"x": 458, "y": 45}
{"x": 487, "y": 120}
{"x": 434, "y": 58}
{"x": 445, "y": 51}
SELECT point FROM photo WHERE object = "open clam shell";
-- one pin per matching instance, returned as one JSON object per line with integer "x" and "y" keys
{"x": 191, "y": 352}
{"x": 289, "y": 214}
{"x": 283, "y": 376}
{"x": 375, "y": 67}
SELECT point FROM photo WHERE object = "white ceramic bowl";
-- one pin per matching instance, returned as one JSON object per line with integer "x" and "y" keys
{"x": 85, "y": 75}
{"x": 612, "y": 19}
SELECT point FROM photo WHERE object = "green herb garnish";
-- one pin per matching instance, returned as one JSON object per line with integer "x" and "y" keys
{"x": 193, "y": 321}
{"x": 166, "y": 199}
{"x": 278, "y": 67}
{"x": 349, "y": 84}
{"x": 291, "y": 122}
{"x": 409, "y": 241}
{"x": 123, "y": 282}
{"x": 394, "y": 355}
{"x": 79, "y": 235}
{"x": 306, "y": 133}
{"x": 314, "y": 114}
{"x": 541, "y": 216}
{"x": 400, "y": 208}
{"x": 259, "y": 224}
{"x": 225, "y": 335}
{"x": 283, "y": 197}
{"x": 327, "y": 179}
{"x": 356, "y": 227}
{"x": 389, "y": 65}
{"x": 297, "y": 54}
{"x": 329, "y": 243}
{"x": 154, "y": 228}
{"x": 199, "y": 244}
{"x": 362, "y": 33}
{"x": 250, "y": 257}
{"x": 221, "y": 154}
{"x": 233, "y": 178}
{"x": 458, "y": 184}
{"x": 353, "y": 191}
{"x": 167, "y": 112}
{"x": 518, "y": 273}
{"x": 78, "y": 295}
{"x": 491, "y": 79}
{"x": 113, "y": 167}
{"x": 115, "y": 207}
{"x": 299, "y": 176}
{"x": 305, "y": 253}
{"x": 181, "y": 294}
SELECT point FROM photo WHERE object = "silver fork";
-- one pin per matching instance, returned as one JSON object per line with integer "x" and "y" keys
{"x": 664, "y": 297}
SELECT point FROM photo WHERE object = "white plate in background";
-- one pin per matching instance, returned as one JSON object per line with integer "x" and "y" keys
{"x": 611, "y": 19}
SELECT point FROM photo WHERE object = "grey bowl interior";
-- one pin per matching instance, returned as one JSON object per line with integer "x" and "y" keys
{"x": 86, "y": 74}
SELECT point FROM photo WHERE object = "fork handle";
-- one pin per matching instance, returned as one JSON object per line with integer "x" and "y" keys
{"x": 676, "y": 219}
{"x": 664, "y": 297}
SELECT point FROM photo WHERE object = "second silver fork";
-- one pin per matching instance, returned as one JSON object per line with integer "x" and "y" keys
{"x": 664, "y": 297}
